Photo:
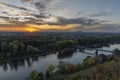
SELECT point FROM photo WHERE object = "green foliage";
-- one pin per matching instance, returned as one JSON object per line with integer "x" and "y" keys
{"x": 62, "y": 67}
{"x": 21, "y": 48}
{"x": 117, "y": 51}
{"x": 16, "y": 49}
{"x": 66, "y": 44}
{"x": 100, "y": 68}
{"x": 90, "y": 70}
{"x": 106, "y": 71}
{"x": 4, "y": 47}
{"x": 51, "y": 68}
{"x": 40, "y": 76}
{"x": 47, "y": 75}
{"x": 32, "y": 50}
{"x": 71, "y": 68}
{"x": 33, "y": 75}
{"x": 89, "y": 62}
{"x": 110, "y": 57}
{"x": 57, "y": 77}
{"x": 79, "y": 67}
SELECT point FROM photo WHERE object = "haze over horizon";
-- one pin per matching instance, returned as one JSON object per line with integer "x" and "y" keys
{"x": 59, "y": 15}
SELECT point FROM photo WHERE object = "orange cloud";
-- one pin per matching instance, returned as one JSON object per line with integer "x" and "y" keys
{"x": 53, "y": 27}
{"x": 35, "y": 27}
{"x": 30, "y": 29}
{"x": 13, "y": 29}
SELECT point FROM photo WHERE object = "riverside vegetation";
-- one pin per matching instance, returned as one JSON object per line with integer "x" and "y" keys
{"x": 21, "y": 46}
{"x": 101, "y": 67}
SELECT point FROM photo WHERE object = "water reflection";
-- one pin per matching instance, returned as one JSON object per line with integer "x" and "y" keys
{"x": 67, "y": 56}
{"x": 27, "y": 62}
{"x": 59, "y": 56}
{"x": 18, "y": 63}
{"x": 19, "y": 69}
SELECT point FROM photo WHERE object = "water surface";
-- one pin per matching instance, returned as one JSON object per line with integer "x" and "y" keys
{"x": 19, "y": 70}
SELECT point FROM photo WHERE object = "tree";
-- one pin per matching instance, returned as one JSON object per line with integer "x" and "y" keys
{"x": 21, "y": 48}
{"x": 4, "y": 47}
{"x": 71, "y": 68}
{"x": 117, "y": 51}
{"x": 29, "y": 49}
{"x": 15, "y": 49}
{"x": 65, "y": 53}
{"x": 66, "y": 44}
{"x": 36, "y": 50}
{"x": 100, "y": 68}
{"x": 62, "y": 67}
{"x": 51, "y": 68}
{"x": 33, "y": 75}
{"x": 32, "y": 50}
{"x": 47, "y": 75}
{"x": 40, "y": 76}
{"x": 89, "y": 62}
{"x": 11, "y": 47}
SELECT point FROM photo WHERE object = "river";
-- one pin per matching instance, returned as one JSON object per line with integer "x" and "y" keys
{"x": 19, "y": 70}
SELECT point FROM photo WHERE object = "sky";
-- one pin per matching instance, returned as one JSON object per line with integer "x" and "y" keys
{"x": 59, "y": 15}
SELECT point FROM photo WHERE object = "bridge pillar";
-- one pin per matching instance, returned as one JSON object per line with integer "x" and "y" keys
{"x": 96, "y": 52}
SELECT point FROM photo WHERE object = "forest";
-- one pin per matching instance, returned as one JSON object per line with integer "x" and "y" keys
{"x": 21, "y": 46}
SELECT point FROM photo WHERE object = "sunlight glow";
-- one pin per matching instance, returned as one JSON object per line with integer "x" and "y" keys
{"x": 30, "y": 29}
{"x": 36, "y": 28}
{"x": 55, "y": 27}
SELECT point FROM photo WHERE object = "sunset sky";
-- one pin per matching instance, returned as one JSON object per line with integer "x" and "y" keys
{"x": 60, "y": 15}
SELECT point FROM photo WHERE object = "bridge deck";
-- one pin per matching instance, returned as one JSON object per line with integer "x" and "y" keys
{"x": 86, "y": 53}
{"x": 82, "y": 47}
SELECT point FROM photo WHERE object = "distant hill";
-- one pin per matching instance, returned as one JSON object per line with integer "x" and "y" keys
{"x": 77, "y": 33}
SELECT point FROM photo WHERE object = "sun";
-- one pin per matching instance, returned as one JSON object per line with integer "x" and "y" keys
{"x": 30, "y": 29}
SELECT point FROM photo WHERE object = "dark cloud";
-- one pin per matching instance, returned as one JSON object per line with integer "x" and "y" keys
{"x": 42, "y": 6}
{"x": 39, "y": 16}
{"x": 105, "y": 13}
{"x": 107, "y": 28}
{"x": 100, "y": 14}
{"x": 81, "y": 21}
{"x": 28, "y": 0}
{"x": 5, "y": 12}
{"x": 16, "y": 7}
{"x": 38, "y": 19}
{"x": 4, "y": 17}
{"x": 11, "y": 25}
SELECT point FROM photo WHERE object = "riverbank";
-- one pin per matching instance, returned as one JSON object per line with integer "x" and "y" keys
{"x": 107, "y": 71}
{"x": 23, "y": 57}
{"x": 93, "y": 68}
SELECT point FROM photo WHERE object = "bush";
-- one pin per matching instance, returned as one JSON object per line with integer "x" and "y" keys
{"x": 89, "y": 62}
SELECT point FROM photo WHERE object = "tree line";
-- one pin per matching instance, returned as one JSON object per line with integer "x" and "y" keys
{"x": 16, "y": 48}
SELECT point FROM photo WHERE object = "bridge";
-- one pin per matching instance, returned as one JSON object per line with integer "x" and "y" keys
{"x": 82, "y": 49}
